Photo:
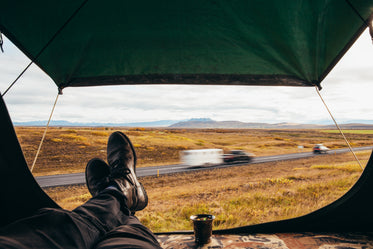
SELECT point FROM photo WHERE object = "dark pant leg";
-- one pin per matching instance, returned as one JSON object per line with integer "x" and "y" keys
{"x": 107, "y": 210}
{"x": 57, "y": 228}
{"x": 131, "y": 234}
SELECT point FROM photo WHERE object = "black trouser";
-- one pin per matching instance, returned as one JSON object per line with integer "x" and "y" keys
{"x": 102, "y": 222}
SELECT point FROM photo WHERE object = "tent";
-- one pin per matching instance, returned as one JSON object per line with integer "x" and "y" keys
{"x": 241, "y": 42}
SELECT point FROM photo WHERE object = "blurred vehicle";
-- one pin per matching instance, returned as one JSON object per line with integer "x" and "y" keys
{"x": 237, "y": 156}
{"x": 320, "y": 148}
{"x": 203, "y": 157}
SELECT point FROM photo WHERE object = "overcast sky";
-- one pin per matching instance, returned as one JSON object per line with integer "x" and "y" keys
{"x": 347, "y": 90}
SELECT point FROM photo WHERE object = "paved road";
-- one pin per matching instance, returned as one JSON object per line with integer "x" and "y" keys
{"x": 79, "y": 178}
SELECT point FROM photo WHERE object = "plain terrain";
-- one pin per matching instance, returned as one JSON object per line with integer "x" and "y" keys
{"x": 237, "y": 196}
{"x": 67, "y": 150}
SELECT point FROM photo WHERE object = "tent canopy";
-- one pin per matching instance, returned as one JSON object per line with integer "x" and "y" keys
{"x": 256, "y": 42}
{"x": 249, "y": 42}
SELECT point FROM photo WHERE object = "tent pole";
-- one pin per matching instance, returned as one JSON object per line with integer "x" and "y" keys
{"x": 45, "y": 131}
{"x": 340, "y": 130}
{"x": 46, "y": 45}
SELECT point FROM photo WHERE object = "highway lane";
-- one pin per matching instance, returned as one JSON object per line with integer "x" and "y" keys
{"x": 79, "y": 178}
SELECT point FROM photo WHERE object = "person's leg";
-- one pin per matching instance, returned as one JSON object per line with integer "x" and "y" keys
{"x": 120, "y": 177}
{"x": 108, "y": 206}
{"x": 132, "y": 234}
{"x": 50, "y": 228}
{"x": 121, "y": 157}
{"x": 58, "y": 228}
{"x": 122, "y": 163}
{"x": 116, "y": 195}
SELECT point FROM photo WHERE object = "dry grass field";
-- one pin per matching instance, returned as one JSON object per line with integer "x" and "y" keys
{"x": 237, "y": 196}
{"x": 67, "y": 150}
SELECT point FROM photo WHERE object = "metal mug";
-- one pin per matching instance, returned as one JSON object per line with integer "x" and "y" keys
{"x": 202, "y": 225}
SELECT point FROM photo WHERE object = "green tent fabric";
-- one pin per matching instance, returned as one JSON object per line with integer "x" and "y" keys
{"x": 248, "y": 42}
{"x": 21, "y": 195}
{"x": 263, "y": 42}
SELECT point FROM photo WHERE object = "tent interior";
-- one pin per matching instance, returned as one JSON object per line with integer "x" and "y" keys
{"x": 265, "y": 43}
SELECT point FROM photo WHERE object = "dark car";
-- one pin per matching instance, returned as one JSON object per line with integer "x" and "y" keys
{"x": 319, "y": 149}
{"x": 237, "y": 156}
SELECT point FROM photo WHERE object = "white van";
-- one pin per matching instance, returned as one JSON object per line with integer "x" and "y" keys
{"x": 203, "y": 157}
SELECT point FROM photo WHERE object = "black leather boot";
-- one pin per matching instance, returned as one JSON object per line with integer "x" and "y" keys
{"x": 122, "y": 162}
{"x": 97, "y": 175}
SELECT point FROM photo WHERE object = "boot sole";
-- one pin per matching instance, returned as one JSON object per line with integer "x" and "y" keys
{"x": 141, "y": 207}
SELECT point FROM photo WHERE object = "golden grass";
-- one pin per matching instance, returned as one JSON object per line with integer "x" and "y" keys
{"x": 69, "y": 149}
{"x": 69, "y": 197}
{"x": 74, "y": 137}
{"x": 350, "y": 131}
{"x": 101, "y": 133}
{"x": 57, "y": 140}
{"x": 238, "y": 196}
{"x": 351, "y": 166}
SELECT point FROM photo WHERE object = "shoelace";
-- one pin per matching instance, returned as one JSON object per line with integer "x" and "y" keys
{"x": 118, "y": 170}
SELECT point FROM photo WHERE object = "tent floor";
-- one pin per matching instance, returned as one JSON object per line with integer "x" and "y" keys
{"x": 273, "y": 241}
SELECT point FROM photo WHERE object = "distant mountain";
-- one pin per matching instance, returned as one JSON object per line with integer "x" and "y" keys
{"x": 199, "y": 123}
{"x": 160, "y": 123}
{"x": 209, "y": 123}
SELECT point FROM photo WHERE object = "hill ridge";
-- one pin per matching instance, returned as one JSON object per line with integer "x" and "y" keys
{"x": 200, "y": 123}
